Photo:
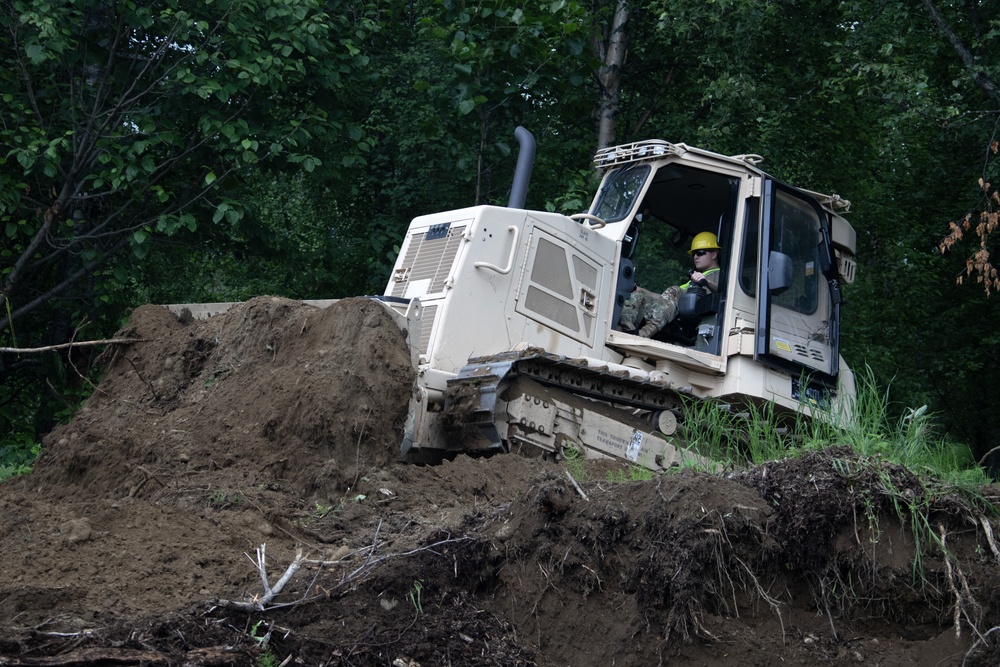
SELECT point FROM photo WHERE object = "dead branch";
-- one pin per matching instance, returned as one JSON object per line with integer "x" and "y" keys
{"x": 63, "y": 346}
{"x": 982, "y": 460}
{"x": 262, "y": 603}
{"x": 577, "y": 486}
{"x": 269, "y": 591}
{"x": 91, "y": 656}
{"x": 149, "y": 384}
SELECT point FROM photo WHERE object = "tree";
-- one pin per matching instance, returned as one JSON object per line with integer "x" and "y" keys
{"x": 123, "y": 124}
{"x": 977, "y": 53}
{"x": 612, "y": 47}
{"x": 122, "y": 121}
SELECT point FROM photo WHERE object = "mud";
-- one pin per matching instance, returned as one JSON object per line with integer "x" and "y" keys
{"x": 270, "y": 434}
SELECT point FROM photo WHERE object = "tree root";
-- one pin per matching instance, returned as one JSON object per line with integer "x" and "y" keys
{"x": 264, "y": 602}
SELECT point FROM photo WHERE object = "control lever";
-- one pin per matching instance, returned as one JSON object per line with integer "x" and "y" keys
{"x": 700, "y": 283}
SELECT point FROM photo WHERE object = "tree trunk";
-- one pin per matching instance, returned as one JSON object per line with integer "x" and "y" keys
{"x": 613, "y": 51}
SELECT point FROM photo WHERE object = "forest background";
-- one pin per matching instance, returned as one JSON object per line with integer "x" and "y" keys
{"x": 193, "y": 151}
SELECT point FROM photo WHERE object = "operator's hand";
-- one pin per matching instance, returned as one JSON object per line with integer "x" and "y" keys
{"x": 697, "y": 277}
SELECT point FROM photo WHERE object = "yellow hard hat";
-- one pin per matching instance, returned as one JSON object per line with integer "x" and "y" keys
{"x": 704, "y": 241}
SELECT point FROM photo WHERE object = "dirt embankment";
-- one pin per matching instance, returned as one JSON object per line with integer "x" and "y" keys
{"x": 136, "y": 538}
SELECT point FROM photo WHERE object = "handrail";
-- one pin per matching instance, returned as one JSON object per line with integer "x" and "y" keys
{"x": 510, "y": 260}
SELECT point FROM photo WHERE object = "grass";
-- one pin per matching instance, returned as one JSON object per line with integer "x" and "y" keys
{"x": 755, "y": 434}
{"x": 415, "y": 595}
{"x": 573, "y": 459}
{"x": 632, "y": 473}
{"x": 223, "y": 499}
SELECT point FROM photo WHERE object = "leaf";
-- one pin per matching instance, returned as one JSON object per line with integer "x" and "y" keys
{"x": 35, "y": 53}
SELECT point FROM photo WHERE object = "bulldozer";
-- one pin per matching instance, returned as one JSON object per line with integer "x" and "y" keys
{"x": 514, "y": 317}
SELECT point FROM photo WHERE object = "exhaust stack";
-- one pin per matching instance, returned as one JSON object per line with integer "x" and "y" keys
{"x": 522, "y": 172}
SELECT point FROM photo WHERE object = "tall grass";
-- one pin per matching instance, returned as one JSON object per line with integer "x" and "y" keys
{"x": 911, "y": 440}
{"x": 753, "y": 434}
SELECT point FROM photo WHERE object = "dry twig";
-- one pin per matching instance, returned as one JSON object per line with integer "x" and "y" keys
{"x": 263, "y": 603}
{"x": 64, "y": 346}
{"x": 577, "y": 486}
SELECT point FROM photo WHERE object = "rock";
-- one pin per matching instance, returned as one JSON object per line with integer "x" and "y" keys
{"x": 76, "y": 530}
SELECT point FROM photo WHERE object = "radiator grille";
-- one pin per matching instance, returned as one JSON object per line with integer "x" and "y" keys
{"x": 430, "y": 257}
{"x": 810, "y": 353}
{"x": 426, "y": 326}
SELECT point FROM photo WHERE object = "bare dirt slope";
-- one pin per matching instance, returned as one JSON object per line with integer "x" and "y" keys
{"x": 135, "y": 540}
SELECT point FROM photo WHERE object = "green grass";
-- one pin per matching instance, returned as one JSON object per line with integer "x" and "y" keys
{"x": 740, "y": 436}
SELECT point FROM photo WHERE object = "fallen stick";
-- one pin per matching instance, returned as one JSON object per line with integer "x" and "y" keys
{"x": 261, "y": 603}
{"x": 577, "y": 486}
{"x": 63, "y": 346}
{"x": 271, "y": 591}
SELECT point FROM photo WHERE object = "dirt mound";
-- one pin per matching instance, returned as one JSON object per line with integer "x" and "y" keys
{"x": 218, "y": 455}
{"x": 280, "y": 391}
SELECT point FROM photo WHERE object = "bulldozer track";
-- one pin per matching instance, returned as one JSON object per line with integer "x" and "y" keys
{"x": 615, "y": 387}
{"x": 471, "y": 399}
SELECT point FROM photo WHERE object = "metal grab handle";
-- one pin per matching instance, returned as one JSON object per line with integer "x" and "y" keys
{"x": 510, "y": 260}
{"x": 596, "y": 222}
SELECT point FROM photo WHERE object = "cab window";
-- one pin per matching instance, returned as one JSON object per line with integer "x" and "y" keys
{"x": 618, "y": 193}
{"x": 796, "y": 233}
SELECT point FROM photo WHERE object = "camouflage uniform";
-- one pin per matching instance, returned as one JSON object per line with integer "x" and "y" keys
{"x": 656, "y": 309}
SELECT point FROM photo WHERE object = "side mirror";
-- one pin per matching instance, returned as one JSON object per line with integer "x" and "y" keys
{"x": 779, "y": 272}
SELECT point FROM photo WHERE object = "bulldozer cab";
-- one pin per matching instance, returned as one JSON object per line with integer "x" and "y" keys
{"x": 784, "y": 252}
{"x": 679, "y": 203}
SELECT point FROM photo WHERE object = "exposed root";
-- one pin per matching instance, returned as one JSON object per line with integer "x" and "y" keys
{"x": 771, "y": 601}
{"x": 264, "y": 602}
{"x": 988, "y": 529}
{"x": 983, "y": 639}
{"x": 960, "y": 590}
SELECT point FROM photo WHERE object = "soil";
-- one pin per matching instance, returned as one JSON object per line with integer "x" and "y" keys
{"x": 217, "y": 452}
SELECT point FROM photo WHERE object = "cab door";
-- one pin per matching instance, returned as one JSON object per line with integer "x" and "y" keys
{"x": 798, "y": 318}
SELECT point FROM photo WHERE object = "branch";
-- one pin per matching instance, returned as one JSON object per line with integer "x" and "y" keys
{"x": 63, "y": 346}
{"x": 61, "y": 287}
{"x": 260, "y": 603}
{"x": 577, "y": 486}
{"x": 968, "y": 60}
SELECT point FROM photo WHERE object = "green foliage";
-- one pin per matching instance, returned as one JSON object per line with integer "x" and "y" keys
{"x": 17, "y": 456}
{"x": 261, "y": 633}
{"x": 103, "y": 160}
{"x": 633, "y": 473}
{"x": 267, "y": 659}
{"x": 911, "y": 440}
{"x": 282, "y": 147}
{"x": 574, "y": 460}
{"x": 223, "y": 499}
{"x": 753, "y": 435}
{"x": 415, "y": 596}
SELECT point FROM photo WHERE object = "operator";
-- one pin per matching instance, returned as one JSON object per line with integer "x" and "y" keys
{"x": 660, "y": 309}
